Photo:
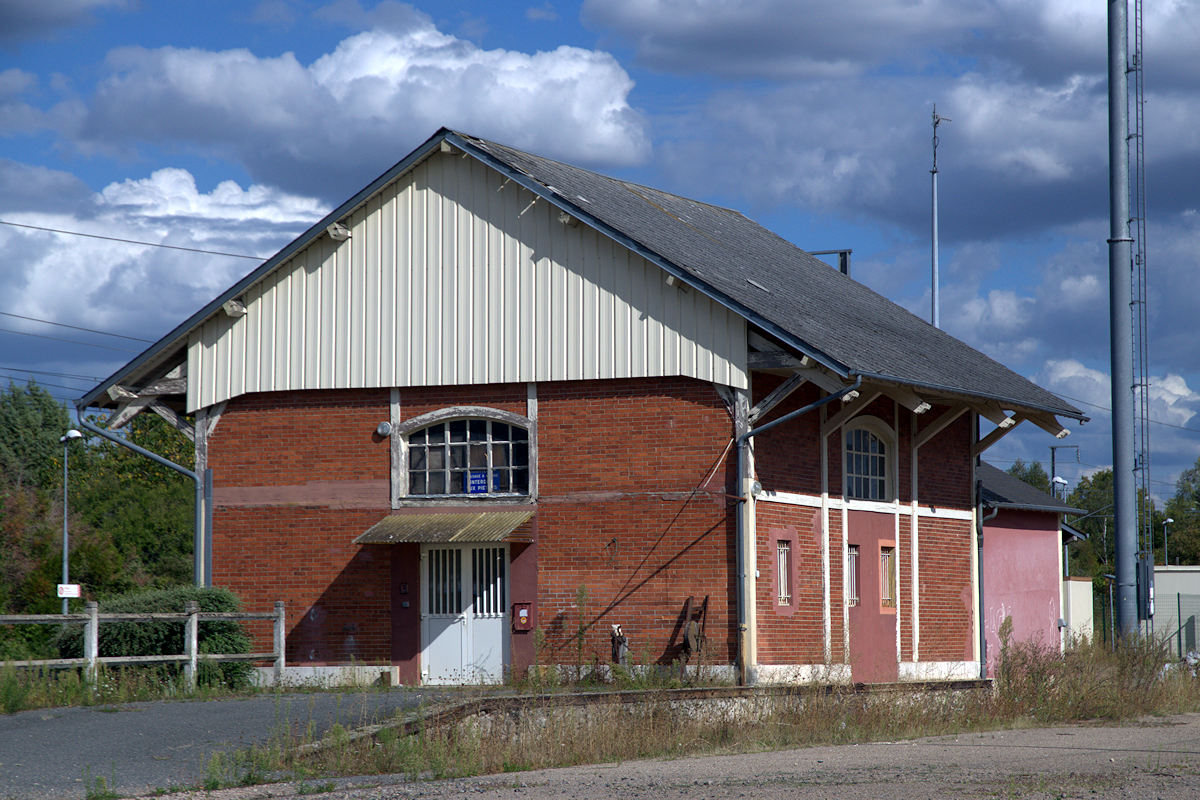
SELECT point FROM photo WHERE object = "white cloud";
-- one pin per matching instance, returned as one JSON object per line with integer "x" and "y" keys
{"x": 355, "y": 110}
{"x": 122, "y": 287}
{"x": 1073, "y": 378}
{"x": 1171, "y": 400}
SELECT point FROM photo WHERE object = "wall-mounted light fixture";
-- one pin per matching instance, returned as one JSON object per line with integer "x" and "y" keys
{"x": 338, "y": 232}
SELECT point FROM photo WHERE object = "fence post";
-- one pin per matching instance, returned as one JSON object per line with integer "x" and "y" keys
{"x": 1179, "y": 622}
{"x": 91, "y": 640}
{"x": 191, "y": 644}
{"x": 279, "y": 637}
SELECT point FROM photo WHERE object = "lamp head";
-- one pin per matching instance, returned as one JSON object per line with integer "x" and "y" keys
{"x": 1168, "y": 519}
{"x": 69, "y": 435}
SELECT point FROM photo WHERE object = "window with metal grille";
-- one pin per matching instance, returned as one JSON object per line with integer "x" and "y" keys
{"x": 887, "y": 576}
{"x": 468, "y": 457}
{"x": 866, "y": 466}
{"x": 783, "y": 558}
{"x": 445, "y": 581}
{"x": 487, "y": 590}
{"x": 852, "y": 574}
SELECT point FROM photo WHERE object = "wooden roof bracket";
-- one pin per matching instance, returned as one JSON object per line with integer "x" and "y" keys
{"x": 778, "y": 395}
{"x": 132, "y": 403}
{"x": 848, "y": 411}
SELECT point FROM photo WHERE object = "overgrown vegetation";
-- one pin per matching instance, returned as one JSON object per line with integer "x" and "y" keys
{"x": 24, "y": 688}
{"x": 1036, "y": 685}
{"x": 130, "y": 519}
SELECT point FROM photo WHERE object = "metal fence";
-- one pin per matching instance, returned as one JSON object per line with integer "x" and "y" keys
{"x": 189, "y": 658}
{"x": 1176, "y": 620}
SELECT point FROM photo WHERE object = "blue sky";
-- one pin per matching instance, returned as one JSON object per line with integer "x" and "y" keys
{"x": 231, "y": 126}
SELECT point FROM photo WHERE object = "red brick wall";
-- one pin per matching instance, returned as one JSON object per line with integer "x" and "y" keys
{"x": 633, "y": 478}
{"x": 793, "y": 634}
{"x": 944, "y": 561}
{"x": 944, "y": 464}
{"x": 633, "y": 506}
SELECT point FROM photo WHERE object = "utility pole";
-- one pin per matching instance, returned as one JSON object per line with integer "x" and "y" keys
{"x": 1120, "y": 298}
{"x": 934, "y": 316}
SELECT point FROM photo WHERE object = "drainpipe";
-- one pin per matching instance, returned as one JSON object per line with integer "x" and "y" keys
{"x": 198, "y": 525}
{"x": 979, "y": 568}
{"x": 743, "y": 442}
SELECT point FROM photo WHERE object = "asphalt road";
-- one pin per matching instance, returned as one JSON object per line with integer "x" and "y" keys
{"x": 142, "y": 747}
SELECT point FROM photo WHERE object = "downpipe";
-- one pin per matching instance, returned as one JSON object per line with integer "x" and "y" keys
{"x": 743, "y": 499}
{"x": 198, "y": 522}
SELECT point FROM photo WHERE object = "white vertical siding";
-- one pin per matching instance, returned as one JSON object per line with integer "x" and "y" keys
{"x": 451, "y": 276}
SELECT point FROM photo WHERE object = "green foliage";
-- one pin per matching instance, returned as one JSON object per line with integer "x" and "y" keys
{"x": 166, "y": 637}
{"x": 1184, "y": 508}
{"x": 1033, "y": 473}
{"x": 31, "y": 423}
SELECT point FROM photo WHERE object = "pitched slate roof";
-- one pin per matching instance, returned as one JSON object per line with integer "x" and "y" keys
{"x": 802, "y": 300}
{"x": 775, "y": 285}
{"x": 1001, "y": 490}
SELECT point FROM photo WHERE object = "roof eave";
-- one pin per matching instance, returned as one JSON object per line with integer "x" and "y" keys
{"x": 1071, "y": 412}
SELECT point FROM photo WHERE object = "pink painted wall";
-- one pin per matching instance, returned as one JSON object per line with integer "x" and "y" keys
{"x": 1021, "y": 579}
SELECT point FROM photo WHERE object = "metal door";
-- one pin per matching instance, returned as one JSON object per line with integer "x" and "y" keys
{"x": 464, "y": 636}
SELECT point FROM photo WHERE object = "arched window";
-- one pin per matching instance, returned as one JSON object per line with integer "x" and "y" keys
{"x": 468, "y": 457}
{"x": 867, "y": 461}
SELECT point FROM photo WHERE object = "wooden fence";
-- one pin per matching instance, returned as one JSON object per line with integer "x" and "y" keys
{"x": 190, "y": 657}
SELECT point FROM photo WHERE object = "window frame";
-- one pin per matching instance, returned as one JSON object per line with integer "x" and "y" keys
{"x": 883, "y": 432}
{"x": 852, "y": 582}
{"x": 401, "y": 479}
{"x": 783, "y": 573}
{"x": 889, "y": 579}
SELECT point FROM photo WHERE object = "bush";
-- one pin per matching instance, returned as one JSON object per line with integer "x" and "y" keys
{"x": 165, "y": 637}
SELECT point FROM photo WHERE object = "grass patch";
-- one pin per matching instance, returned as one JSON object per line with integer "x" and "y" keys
{"x": 1034, "y": 686}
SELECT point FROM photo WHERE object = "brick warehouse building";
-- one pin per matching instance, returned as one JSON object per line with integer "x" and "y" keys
{"x": 493, "y": 405}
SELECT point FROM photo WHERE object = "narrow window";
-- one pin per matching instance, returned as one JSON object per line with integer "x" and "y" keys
{"x": 783, "y": 559}
{"x": 887, "y": 576}
{"x": 852, "y": 574}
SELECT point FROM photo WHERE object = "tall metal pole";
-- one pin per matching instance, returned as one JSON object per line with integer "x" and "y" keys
{"x": 934, "y": 315}
{"x": 66, "y": 510}
{"x": 1120, "y": 298}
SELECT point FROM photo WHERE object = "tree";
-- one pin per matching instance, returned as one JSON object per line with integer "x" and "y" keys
{"x": 145, "y": 508}
{"x": 1184, "y": 508}
{"x": 31, "y": 423}
{"x": 1032, "y": 473}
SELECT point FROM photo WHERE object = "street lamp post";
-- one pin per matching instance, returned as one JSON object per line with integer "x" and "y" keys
{"x": 1166, "y": 522}
{"x": 66, "y": 441}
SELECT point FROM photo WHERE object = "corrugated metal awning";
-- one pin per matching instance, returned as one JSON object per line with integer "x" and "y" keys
{"x": 438, "y": 526}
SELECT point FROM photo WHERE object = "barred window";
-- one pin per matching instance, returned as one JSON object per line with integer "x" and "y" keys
{"x": 783, "y": 571}
{"x": 887, "y": 576}
{"x": 852, "y": 574}
{"x": 468, "y": 457}
{"x": 866, "y": 466}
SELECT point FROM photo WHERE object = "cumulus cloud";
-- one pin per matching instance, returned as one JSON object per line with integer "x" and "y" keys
{"x": 327, "y": 127}
{"x": 121, "y": 287}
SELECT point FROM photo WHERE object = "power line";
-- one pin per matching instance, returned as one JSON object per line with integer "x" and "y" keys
{"x": 131, "y": 241}
{"x": 1106, "y": 408}
{"x": 43, "y": 383}
{"x": 47, "y": 372}
{"x": 69, "y": 341}
{"x": 75, "y": 327}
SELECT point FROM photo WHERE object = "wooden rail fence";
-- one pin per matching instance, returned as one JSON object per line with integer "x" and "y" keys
{"x": 190, "y": 657}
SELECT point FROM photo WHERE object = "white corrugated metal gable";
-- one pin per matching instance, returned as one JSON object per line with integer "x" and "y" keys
{"x": 453, "y": 274}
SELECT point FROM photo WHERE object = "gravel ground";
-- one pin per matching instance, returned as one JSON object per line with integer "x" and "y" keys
{"x": 1152, "y": 758}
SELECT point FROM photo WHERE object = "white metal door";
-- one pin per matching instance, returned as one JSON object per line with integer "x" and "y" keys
{"x": 463, "y": 618}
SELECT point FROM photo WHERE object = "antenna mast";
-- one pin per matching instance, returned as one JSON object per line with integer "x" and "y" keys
{"x": 934, "y": 316}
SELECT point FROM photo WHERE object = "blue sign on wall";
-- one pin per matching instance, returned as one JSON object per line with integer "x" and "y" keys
{"x": 477, "y": 482}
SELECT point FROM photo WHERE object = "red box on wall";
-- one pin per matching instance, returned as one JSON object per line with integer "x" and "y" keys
{"x": 522, "y": 616}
